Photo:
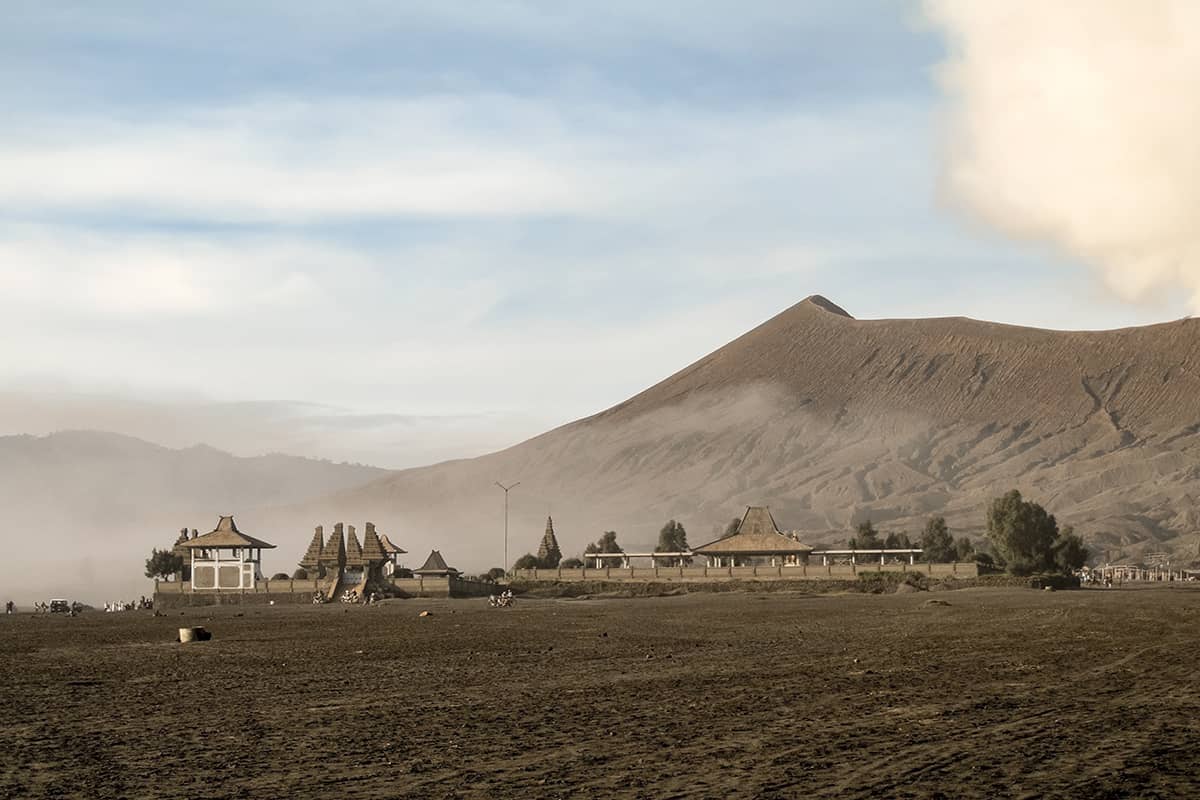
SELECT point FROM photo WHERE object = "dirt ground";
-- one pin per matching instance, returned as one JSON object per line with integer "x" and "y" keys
{"x": 1001, "y": 693}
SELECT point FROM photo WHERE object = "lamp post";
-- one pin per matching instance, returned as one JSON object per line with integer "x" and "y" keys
{"x": 506, "y": 488}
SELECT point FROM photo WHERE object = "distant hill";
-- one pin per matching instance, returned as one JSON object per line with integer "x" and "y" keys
{"x": 832, "y": 420}
{"x": 87, "y": 506}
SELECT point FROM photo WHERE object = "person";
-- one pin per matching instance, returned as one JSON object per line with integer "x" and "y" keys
{"x": 9, "y": 607}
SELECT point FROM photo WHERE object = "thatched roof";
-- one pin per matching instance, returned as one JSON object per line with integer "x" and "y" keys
{"x": 434, "y": 565}
{"x": 757, "y": 534}
{"x": 372, "y": 548}
{"x": 226, "y": 535}
{"x": 388, "y": 547}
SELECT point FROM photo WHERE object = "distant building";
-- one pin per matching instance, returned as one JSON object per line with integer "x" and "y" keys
{"x": 393, "y": 553}
{"x": 756, "y": 541}
{"x": 549, "y": 554}
{"x": 225, "y": 558}
{"x": 435, "y": 567}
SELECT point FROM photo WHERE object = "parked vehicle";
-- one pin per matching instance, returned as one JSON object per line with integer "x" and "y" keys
{"x": 60, "y": 607}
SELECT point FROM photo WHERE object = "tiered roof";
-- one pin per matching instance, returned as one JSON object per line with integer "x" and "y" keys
{"x": 316, "y": 550}
{"x": 549, "y": 552}
{"x": 335, "y": 548}
{"x": 226, "y": 536}
{"x": 757, "y": 534}
{"x": 435, "y": 565}
{"x": 354, "y": 553}
{"x": 372, "y": 548}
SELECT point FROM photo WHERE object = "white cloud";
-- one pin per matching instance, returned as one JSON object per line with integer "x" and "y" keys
{"x": 431, "y": 156}
{"x": 1075, "y": 123}
{"x": 54, "y": 270}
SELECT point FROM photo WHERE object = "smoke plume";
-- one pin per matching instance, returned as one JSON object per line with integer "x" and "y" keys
{"x": 1077, "y": 122}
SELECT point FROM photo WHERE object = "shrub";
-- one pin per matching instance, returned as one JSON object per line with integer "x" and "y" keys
{"x": 301, "y": 574}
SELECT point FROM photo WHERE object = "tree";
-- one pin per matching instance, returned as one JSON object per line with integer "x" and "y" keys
{"x": 672, "y": 538}
{"x": 897, "y": 541}
{"x": 937, "y": 545}
{"x": 867, "y": 537}
{"x": 495, "y": 574}
{"x": 1069, "y": 552}
{"x": 607, "y": 543}
{"x": 527, "y": 561}
{"x": 163, "y": 564}
{"x": 732, "y": 527}
{"x": 1022, "y": 534}
{"x": 571, "y": 563}
{"x": 963, "y": 549}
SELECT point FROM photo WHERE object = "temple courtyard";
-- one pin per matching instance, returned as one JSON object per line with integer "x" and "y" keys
{"x": 972, "y": 693}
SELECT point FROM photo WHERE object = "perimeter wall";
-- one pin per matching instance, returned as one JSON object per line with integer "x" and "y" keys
{"x": 176, "y": 594}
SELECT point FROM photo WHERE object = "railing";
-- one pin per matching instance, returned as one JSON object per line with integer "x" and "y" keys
{"x": 762, "y": 572}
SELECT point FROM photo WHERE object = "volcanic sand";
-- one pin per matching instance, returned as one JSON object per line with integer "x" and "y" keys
{"x": 1001, "y": 693}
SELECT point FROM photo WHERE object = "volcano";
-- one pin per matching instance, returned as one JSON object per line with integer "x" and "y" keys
{"x": 831, "y": 421}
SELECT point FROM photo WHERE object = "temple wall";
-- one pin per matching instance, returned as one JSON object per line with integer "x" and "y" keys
{"x": 702, "y": 573}
{"x": 174, "y": 594}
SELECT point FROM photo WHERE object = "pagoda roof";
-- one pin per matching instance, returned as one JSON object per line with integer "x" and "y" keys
{"x": 316, "y": 549}
{"x": 372, "y": 548}
{"x": 354, "y": 553}
{"x": 226, "y": 535}
{"x": 388, "y": 547}
{"x": 335, "y": 547}
{"x": 757, "y": 533}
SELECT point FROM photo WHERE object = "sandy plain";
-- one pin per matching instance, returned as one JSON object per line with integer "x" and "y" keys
{"x": 1001, "y": 693}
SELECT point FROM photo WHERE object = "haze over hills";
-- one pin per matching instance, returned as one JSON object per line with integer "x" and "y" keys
{"x": 832, "y": 420}
{"x": 90, "y": 505}
{"x": 828, "y": 419}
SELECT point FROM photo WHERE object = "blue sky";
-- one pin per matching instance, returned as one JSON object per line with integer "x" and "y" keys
{"x": 412, "y": 231}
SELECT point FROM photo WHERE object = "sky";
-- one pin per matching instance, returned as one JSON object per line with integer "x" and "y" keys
{"x": 396, "y": 233}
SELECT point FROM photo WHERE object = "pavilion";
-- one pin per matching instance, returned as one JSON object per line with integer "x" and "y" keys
{"x": 757, "y": 541}
{"x": 435, "y": 567}
{"x": 225, "y": 558}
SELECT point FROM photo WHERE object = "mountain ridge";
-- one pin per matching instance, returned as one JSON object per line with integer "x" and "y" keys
{"x": 832, "y": 419}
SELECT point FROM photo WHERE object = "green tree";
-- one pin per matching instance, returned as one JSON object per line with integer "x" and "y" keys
{"x": 937, "y": 545}
{"x": 732, "y": 527}
{"x": 607, "y": 543}
{"x": 527, "y": 561}
{"x": 163, "y": 564}
{"x": 1069, "y": 552}
{"x": 897, "y": 541}
{"x": 1022, "y": 534}
{"x": 866, "y": 537}
{"x": 495, "y": 573}
{"x": 571, "y": 563}
{"x": 672, "y": 538}
{"x": 963, "y": 549}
